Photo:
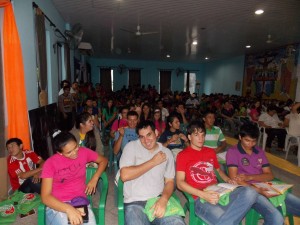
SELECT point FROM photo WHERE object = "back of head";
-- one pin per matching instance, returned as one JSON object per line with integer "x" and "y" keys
{"x": 249, "y": 129}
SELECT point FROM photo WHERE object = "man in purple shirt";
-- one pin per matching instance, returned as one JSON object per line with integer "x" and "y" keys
{"x": 248, "y": 163}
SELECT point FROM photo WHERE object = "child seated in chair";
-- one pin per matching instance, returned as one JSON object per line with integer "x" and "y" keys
{"x": 21, "y": 166}
{"x": 64, "y": 176}
{"x": 247, "y": 163}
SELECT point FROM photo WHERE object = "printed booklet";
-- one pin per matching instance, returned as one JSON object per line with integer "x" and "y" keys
{"x": 222, "y": 188}
{"x": 273, "y": 188}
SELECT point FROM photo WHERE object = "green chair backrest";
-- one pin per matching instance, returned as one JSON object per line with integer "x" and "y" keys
{"x": 99, "y": 211}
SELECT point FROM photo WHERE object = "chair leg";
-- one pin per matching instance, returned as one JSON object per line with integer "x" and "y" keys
{"x": 287, "y": 149}
{"x": 265, "y": 136}
{"x": 291, "y": 219}
{"x": 111, "y": 156}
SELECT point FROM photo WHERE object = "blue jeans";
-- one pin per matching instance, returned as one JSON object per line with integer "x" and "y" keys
{"x": 29, "y": 187}
{"x": 271, "y": 215}
{"x": 241, "y": 200}
{"x": 292, "y": 203}
{"x": 54, "y": 217}
{"x": 134, "y": 215}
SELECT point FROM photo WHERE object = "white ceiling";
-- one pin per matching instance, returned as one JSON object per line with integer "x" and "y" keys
{"x": 222, "y": 27}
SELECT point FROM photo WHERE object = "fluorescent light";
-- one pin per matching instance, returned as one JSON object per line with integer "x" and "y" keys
{"x": 195, "y": 43}
{"x": 259, "y": 11}
{"x": 248, "y": 46}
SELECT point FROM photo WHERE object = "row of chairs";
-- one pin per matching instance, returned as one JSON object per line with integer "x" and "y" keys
{"x": 252, "y": 216}
{"x": 290, "y": 140}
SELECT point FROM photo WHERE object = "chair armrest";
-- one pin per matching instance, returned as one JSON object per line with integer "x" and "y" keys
{"x": 219, "y": 178}
{"x": 104, "y": 191}
{"x": 41, "y": 214}
{"x": 121, "y": 216}
{"x": 190, "y": 204}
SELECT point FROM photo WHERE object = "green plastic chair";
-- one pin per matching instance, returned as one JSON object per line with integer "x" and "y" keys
{"x": 121, "y": 213}
{"x": 99, "y": 211}
{"x": 253, "y": 217}
{"x": 190, "y": 205}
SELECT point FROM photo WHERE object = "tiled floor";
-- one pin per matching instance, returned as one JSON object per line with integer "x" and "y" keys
{"x": 111, "y": 216}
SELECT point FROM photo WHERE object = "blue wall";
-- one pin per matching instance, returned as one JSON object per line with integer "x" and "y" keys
{"x": 222, "y": 75}
{"x": 24, "y": 15}
{"x": 217, "y": 76}
{"x": 150, "y": 71}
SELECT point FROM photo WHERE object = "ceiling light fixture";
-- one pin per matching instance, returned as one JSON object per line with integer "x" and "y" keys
{"x": 206, "y": 58}
{"x": 195, "y": 43}
{"x": 259, "y": 12}
{"x": 248, "y": 46}
{"x": 168, "y": 56}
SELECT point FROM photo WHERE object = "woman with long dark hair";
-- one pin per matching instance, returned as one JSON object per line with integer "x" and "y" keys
{"x": 63, "y": 185}
{"x": 173, "y": 138}
{"x": 146, "y": 112}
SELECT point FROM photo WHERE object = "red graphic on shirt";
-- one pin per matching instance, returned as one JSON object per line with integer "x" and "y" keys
{"x": 202, "y": 172}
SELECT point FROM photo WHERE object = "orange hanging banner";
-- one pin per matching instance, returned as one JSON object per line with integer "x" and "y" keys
{"x": 17, "y": 115}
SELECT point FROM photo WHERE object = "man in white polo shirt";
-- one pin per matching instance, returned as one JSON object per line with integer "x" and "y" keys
{"x": 147, "y": 169}
{"x": 273, "y": 127}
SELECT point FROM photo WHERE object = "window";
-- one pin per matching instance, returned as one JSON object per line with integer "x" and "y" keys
{"x": 112, "y": 79}
{"x": 190, "y": 82}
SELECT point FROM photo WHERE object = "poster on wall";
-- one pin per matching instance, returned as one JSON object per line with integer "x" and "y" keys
{"x": 272, "y": 74}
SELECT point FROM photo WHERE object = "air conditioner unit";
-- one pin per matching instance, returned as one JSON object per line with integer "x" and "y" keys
{"x": 85, "y": 46}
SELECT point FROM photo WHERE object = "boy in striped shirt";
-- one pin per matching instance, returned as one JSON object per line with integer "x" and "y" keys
{"x": 214, "y": 137}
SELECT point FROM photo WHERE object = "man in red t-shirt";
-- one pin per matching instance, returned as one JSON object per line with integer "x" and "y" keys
{"x": 195, "y": 171}
{"x": 23, "y": 173}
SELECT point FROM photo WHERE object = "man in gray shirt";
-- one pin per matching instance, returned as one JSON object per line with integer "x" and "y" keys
{"x": 147, "y": 170}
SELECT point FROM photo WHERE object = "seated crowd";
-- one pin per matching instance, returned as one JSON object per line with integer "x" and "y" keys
{"x": 159, "y": 141}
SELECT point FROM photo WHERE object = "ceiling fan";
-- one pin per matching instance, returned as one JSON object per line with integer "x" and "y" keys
{"x": 74, "y": 36}
{"x": 138, "y": 31}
